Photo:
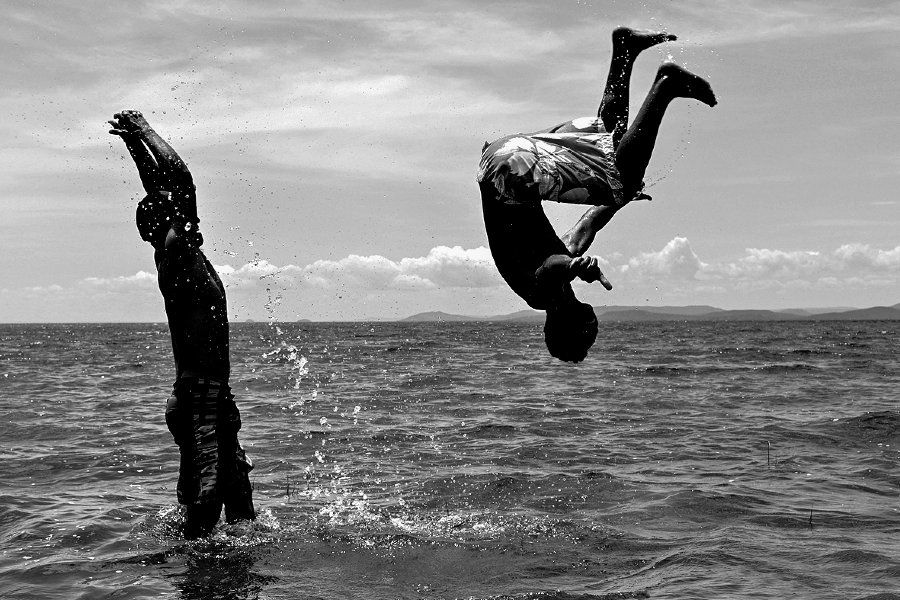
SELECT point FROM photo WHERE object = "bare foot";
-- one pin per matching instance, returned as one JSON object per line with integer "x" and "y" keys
{"x": 633, "y": 41}
{"x": 686, "y": 84}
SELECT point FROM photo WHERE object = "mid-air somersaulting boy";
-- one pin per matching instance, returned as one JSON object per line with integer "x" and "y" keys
{"x": 594, "y": 161}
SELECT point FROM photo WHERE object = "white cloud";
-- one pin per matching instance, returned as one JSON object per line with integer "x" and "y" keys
{"x": 850, "y": 263}
{"x": 857, "y": 262}
{"x": 463, "y": 280}
{"x": 141, "y": 279}
{"x": 447, "y": 267}
{"x": 677, "y": 259}
{"x": 442, "y": 267}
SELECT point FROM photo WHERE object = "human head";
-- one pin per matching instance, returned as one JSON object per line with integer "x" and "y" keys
{"x": 570, "y": 332}
{"x": 154, "y": 217}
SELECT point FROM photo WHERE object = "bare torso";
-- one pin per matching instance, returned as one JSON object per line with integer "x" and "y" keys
{"x": 196, "y": 311}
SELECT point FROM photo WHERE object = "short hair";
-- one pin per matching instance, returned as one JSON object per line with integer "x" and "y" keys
{"x": 571, "y": 332}
{"x": 154, "y": 216}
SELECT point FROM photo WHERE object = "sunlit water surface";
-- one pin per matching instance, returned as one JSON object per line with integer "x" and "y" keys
{"x": 681, "y": 460}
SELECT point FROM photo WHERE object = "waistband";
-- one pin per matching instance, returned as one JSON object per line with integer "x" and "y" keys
{"x": 202, "y": 386}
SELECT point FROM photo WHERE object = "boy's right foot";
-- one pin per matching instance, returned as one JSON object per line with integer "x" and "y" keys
{"x": 686, "y": 84}
{"x": 633, "y": 41}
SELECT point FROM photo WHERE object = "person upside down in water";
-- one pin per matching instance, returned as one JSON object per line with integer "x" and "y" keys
{"x": 593, "y": 161}
{"x": 201, "y": 414}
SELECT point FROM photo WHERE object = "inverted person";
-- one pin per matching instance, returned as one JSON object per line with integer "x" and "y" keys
{"x": 594, "y": 161}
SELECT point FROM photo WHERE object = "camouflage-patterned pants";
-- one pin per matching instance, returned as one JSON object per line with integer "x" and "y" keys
{"x": 203, "y": 419}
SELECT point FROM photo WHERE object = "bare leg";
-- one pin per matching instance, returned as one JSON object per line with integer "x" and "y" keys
{"x": 613, "y": 113}
{"x": 636, "y": 147}
{"x": 201, "y": 519}
{"x": 627, "y": 44}
{"x": 633, "y": 153}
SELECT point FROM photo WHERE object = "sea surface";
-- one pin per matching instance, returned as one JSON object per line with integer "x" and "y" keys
{"x": 458, "y": 460}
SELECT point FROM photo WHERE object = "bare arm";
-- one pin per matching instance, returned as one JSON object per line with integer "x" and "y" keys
{"x": 170, "y": 173}
{"x": 173, "y": 171}
{"x": 146, "y": 164}
{"x": 581, "y": 236}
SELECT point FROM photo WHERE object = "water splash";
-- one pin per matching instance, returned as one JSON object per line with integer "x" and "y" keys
{"x": 290, "y": 355}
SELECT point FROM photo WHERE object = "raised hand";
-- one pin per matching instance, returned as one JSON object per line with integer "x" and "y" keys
{"x": 118, "y": 129}
{"x": 128, "y": 122}
{"x": 587, "y": 268}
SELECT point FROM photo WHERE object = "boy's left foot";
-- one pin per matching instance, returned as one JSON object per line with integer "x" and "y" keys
{"x": 687, "y": 85}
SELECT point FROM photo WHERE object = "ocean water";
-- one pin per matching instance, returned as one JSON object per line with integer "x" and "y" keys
{"x": 458, "y": 460}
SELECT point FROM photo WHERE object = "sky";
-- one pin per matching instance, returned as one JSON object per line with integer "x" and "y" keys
{"x": 335, "y": 144}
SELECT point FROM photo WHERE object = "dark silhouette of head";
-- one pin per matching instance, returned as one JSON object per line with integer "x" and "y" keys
{"x": 154, "y": 217}
{"x": 569, "y": 332}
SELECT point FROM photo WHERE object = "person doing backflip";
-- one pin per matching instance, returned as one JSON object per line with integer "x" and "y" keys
{"x": 594, "y": 161}
{"x": 201, "y": 413}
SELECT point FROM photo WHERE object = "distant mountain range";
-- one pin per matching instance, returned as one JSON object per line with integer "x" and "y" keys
{"x": 689, "y": 313}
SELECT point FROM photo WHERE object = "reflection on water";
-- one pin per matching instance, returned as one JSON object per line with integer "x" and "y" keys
{"x": 226, "y": 573}
{"x": 701, "y": 460}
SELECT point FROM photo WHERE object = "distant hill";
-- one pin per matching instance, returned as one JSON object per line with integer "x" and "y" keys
{"x": 805, "y": 312}
{"x": 438, "y": 316}
{"x": 639, "y": 314}
{"x": 751, "y": 315}
{"x": 522, "y": 315}
{"x": 687, "y": 313}
{"x": 876, "y": 313}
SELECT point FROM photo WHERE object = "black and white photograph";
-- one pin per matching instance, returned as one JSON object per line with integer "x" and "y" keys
{"x": 460, "y": 300}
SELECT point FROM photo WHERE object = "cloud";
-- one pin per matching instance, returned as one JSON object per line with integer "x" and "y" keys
{"x": 141, "y": 279}
{"x": 442, "y": 267}
{"x": 446, "y": 267}
{"x": 677, "y": 259}
{"x": 462, "y": 280}
{"x": 850, "y": 263}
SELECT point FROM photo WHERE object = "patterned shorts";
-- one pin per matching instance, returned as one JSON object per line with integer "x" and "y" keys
{"x": 575, "y": 164}
{"x": 203, "y": 419}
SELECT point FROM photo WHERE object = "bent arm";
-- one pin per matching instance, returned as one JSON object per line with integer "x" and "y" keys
{"x": 560, "y": 269}
{"x": 580, "y": 237}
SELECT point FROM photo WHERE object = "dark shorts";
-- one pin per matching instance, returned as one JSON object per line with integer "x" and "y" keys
{"x": 573, "y": 162}
{"x": 203, "y": 419}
